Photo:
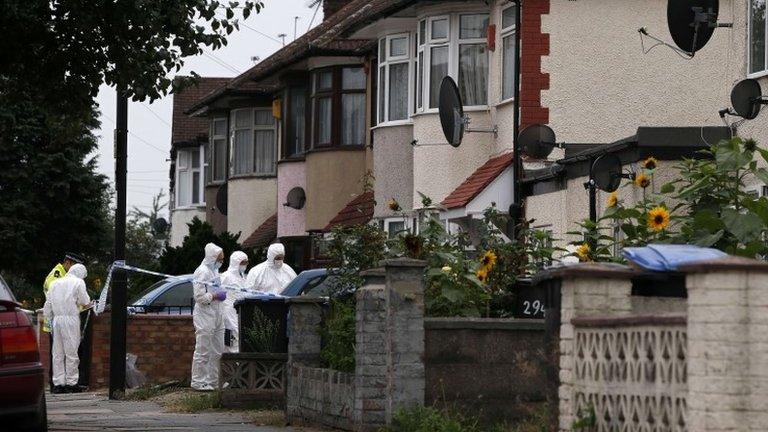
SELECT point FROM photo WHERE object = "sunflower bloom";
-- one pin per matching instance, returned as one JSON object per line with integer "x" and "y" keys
{"x": 658, "y": 219}
{"x": 642, "y": 180}
{"x": 650, "y": 163}
{"x": 489, "y": 260}
{"x": 582, "y": 251}
{"x": 446, "y": 269}
{"x": 613, "y": 199}
{"x": 393, "y": 205}
{"x": 482, "y": 275}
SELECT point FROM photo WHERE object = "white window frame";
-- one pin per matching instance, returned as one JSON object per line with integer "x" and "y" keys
{"x": 383, "y": 77}
{"x": 453, "y": 42}
{"x": 212, "y": 150}
{"x": 764, "y": 71}
{"x": 419, "y": 59}
{"x": 389, "y": 221}
{"x": 251, "y": 128}
{"x": 506, "y": 32}
{"x": 187, "y": 168}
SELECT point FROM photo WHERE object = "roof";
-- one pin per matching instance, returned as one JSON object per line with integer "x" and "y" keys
{"x": 359, "y": 211}
{"x": 185, "y": 129}
{"x": 327, "y": 38}
{"x": 479, "y": 180}
{"x": 264, "y": 234}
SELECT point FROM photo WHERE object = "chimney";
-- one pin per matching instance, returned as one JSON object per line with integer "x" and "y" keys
{"x": 330, "y": 7}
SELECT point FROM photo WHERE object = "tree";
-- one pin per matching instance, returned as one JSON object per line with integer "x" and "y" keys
{"x": 151, "y": 217}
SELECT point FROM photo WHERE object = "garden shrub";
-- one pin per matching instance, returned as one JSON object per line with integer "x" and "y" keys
{"x": 261, "y": 336}
{"x": 338, "y": 333}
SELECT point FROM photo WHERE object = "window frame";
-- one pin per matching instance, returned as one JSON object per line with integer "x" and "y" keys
{"x": 252, "y": 128}
{"x": 509, "y": 31}
{"x": 336, "y": 94}
{"x": 210, "y": 159}
{"x": 302, "y": 87}
{"x": 453, "y": 43}
{"x": 383, "y": 72}
{"x": 764, "y": 71}
{"x": 188, "y": 168}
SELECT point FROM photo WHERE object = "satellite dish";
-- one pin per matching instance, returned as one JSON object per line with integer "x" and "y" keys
{"x": 691, "y": 23}
{"x": 451, "y": 112}
{"x": 296, "y": 198}
{"x": 452, "y": 117}
{"x": 746, "y": 98}
{"x": 221, "y": 199}
{"x": 159, "y": 226}
{"x": 537, "y": 141}
{"x": 606, "y": 172}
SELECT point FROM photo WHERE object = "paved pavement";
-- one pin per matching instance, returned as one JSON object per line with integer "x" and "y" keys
{"x": 87, "y": 412}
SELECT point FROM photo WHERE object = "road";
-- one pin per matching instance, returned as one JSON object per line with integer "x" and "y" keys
{"x": 87, "y": 412}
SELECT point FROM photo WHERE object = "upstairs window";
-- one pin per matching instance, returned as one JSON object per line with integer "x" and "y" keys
{"x": 394, "y": 75}
{"x": 253, "y": 142}
{"x": 295, "y": 114}
{"x": 218, "y": 150}
{"x": 338, "y": 106}
{"x": 508, "y": 21}
{"x": 189, "y": 178}
{"x": 453, "y": 45}
{"x": 756, "y": 40}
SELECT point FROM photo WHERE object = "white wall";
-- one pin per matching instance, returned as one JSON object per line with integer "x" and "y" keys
{"x": 179, "y": 220}
{"x": 250, "y": 202}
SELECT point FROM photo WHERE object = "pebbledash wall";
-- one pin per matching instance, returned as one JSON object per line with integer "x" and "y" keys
{"x": 163, "y": 345}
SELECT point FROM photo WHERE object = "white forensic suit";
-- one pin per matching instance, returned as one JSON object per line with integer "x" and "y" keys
{"x": 62, "y": 309}
{"x": 208, "y": 319}
{"x": 235, "y": 277}
{"x": 272, "y": 275}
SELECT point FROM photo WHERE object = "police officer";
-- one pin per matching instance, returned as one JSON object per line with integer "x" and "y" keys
{"x": 59, "y": 271}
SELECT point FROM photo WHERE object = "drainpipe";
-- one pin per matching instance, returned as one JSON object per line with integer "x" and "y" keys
{"x": 517, "y": 213}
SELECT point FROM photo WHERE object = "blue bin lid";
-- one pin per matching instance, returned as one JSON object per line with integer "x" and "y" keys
{"x": 669, "y": 257}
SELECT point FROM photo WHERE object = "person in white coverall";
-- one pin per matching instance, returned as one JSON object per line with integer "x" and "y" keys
{"x": 272, "y": 275}
{"x": 208, "y": 318}
{"x": 234, "y": 276}
{"x": 62, "y": 309}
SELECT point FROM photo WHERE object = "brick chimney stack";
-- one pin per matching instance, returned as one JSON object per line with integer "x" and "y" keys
{"x": 330, "y": 7}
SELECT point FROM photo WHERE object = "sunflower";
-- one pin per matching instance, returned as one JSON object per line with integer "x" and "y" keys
{"x": 393, "y": 205}
{"x": 613, "y": 199}
{"x": 658, "y": 218}
{"x": 650, "y": 163}
{"x": 642, "y": 180}
{"x": 446, "y": 269}
{"x": 482, "y": 275}
{"x": 489, "y": 260}
{"x": 582, "y": 251}
{"x": 750, "y": 145}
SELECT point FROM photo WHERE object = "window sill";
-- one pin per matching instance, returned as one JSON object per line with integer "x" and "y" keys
{"x": 252, "y": 176}
{"x": 336, "y": 148}
{"x": 200, "y": 206}
{"x": 393, "y": 124}
{"x": 215, "y": 183}
{"x": 291, "y": 159}
{"x": 755, "y": 75}
{"x": 434, "y": 111}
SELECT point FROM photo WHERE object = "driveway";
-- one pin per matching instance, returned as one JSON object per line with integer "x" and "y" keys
{"x": 94, "y": 412}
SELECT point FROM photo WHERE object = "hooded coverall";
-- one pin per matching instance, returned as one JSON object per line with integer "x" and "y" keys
{"x": 65, "y": 296}
{"x": 271, "y": 276}
{"x": 208, "y": 319}
{"x": 234, "y": 276}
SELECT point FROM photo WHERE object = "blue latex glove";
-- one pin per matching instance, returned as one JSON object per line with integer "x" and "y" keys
{"x": 220, "y": 295}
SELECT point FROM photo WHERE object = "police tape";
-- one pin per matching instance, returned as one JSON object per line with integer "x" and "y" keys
{"x": 101, "y": 303}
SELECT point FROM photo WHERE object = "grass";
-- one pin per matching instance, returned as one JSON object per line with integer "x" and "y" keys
{"x": 196, "y": 402}
{"x": 146, "y": 393}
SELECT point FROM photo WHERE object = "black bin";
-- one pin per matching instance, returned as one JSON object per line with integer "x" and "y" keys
{"x": 275, "y": 309}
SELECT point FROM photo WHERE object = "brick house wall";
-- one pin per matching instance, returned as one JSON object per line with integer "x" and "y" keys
{"x": 534, "y": 45}
{"x": 163, "y": 344}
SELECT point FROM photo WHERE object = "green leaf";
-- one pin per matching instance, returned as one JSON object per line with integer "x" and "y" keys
{"x": 745, "y": 227}
{"x": 667, "y": 188}
{"x": 708, "y": 221}
{"x": 708, "y": 240}
{"x": 472, "y": 278}
{"x": 453, "y": 293}
{"x": 762, "y": 174}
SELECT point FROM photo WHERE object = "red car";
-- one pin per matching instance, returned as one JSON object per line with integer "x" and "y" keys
{"x": 22, "y": 380}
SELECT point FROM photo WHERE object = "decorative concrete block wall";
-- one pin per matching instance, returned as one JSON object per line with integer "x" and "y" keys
{"x": 728, "y": 345}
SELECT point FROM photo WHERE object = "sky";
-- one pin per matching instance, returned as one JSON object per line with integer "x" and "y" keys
{"x": 149, "y": 125}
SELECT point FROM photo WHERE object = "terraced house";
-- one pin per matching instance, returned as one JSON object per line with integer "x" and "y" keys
{"x": 295, "y": 141}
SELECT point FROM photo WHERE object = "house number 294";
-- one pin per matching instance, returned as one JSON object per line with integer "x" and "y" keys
{"x": 533, "y": 308}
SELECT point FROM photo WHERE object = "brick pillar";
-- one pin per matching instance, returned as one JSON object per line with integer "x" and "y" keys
{"x": 389, "y": 372}
{"x": 586, "y": 290}
{"x": 727, "y": 345}
{"x": 304, "y": 331}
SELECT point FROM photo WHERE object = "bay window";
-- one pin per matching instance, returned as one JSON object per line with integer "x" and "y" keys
{"x": 338, "y": 106}
{"x": 756, "y": 39}
{"x": 295, "y": 113}
{"x": 189, "y": 178}
{"x": 253, "y": 142}
{"x": 218, "y": 151}
{"x": 508, "y": 78}
{"x": 453, "y": 45}
{"x": 394, "y": 65}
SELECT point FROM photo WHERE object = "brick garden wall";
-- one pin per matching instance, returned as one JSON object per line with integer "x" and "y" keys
{"x": 163, "y": 343}
{"x": 321, "y": 396}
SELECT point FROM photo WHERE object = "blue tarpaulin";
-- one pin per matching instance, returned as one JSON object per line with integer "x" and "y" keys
{"x": 666, "y": 257}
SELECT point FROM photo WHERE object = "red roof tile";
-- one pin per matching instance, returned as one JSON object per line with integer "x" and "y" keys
{"x": 186, "y": 129}
{"x": 359, "y": 211}
{"x": 479, "y": 180}
{"x": 264, "y": 234}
